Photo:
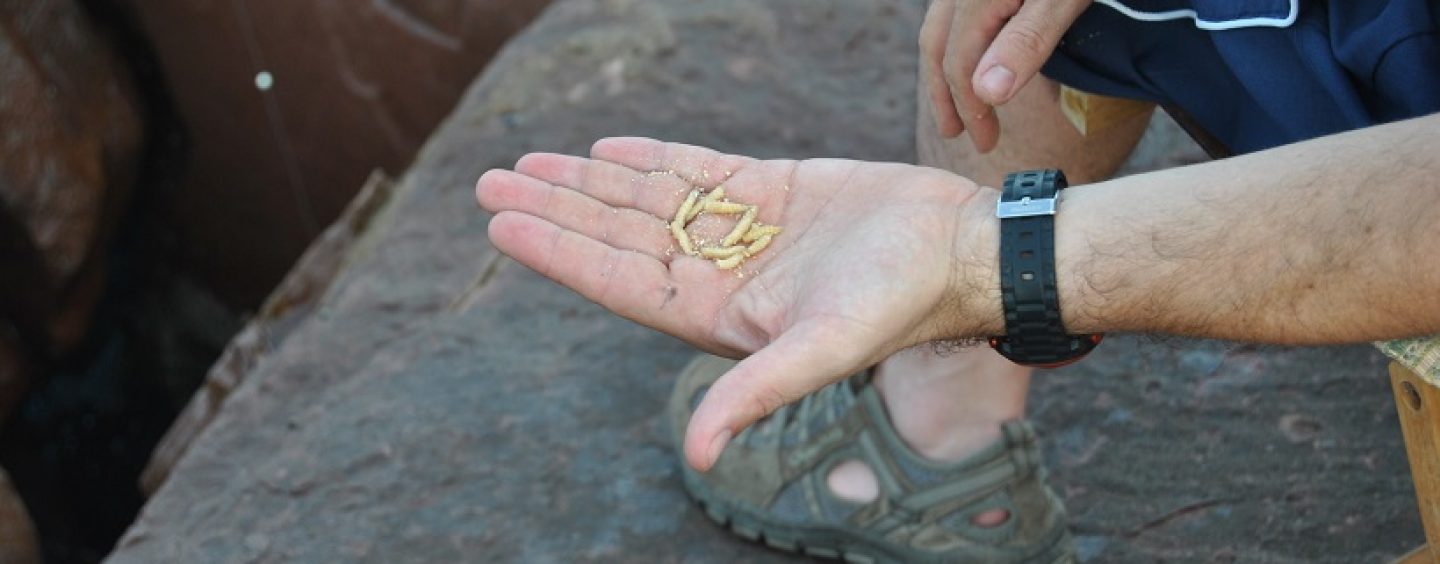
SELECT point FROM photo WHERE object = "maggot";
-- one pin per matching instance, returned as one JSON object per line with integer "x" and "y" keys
{"x": 682, "y": 215}
{"x": 678, "y": 230}
{"x": 721, "y": 252}
{"x": 758, "y": 245}
{"x": 741, "y": 227}
{"x": 716, "y": 195}
{"x": 729, "y": 263}
{"x": 759, "y": 230}
{"x": 726, "y": 207}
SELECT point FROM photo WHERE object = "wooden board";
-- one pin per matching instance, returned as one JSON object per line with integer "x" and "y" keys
{"x": 1418, "y": 403}
{"x": 1092, "y": 113}
{"x": 1420, "y": 555}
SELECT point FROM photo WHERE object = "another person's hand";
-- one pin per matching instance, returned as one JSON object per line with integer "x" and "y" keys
{"x": 976, "y": 54}
{"x": 868, "y": 262}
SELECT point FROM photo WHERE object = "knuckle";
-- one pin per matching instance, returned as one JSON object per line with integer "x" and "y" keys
{"x": 949, "y": 62}
{"x": 1026, "y": 38}
{"x": 928, "y": 36}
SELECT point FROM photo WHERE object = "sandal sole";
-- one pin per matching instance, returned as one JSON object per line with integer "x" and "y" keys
{"x": 840, "y": 546}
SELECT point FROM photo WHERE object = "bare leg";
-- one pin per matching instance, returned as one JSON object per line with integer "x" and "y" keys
{"x": 947, "y": 407}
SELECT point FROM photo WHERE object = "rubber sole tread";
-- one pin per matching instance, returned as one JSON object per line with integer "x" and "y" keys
{"x": 758, "y": 535}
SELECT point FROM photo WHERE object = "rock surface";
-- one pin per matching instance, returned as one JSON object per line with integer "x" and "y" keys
{"x": 293, "y": 300}
{"x": 442, "y": 403}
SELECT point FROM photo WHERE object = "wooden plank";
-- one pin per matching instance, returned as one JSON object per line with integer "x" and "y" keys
{"x": 1092, "y": 113}
{"x": 1421, "y": 555}
{"x": 1418, "y": 403}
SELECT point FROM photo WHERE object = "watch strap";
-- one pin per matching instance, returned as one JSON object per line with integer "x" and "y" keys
{"x": 1034, "y": 331}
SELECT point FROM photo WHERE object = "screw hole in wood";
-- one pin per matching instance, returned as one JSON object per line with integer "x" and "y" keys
{"x": 1412, "y": 396}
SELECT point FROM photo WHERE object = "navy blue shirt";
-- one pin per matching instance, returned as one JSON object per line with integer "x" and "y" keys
{"x": 1257, "y": 74}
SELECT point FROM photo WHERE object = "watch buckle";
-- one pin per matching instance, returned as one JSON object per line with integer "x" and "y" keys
{"x": 1025, "y": 207}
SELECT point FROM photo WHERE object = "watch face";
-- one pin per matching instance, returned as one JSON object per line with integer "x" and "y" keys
{"x": 1076, "y": 348}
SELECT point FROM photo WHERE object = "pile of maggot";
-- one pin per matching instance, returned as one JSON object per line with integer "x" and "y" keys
{"x": 745, "y": 240}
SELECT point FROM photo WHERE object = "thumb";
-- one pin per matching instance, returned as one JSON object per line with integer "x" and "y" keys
{"x": 1022, "y": 47}
{"x": 803, "y": 359}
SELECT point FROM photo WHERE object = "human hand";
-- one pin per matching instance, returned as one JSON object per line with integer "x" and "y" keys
{"x": 874, "y": 257}
{"x": 976, "y": 54}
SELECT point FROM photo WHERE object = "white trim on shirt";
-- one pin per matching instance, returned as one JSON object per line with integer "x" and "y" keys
{"x": 1205, "y": 24}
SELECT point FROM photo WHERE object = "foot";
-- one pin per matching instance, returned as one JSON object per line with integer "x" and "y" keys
{"x": 946, "y": 407}
{"x": 771, "y": 484}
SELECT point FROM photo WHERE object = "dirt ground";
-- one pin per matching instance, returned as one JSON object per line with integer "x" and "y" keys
{"x": 445, "y": 404}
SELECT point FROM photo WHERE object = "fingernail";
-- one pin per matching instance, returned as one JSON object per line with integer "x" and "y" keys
{"x": 717, "y": 446}
{"x": 997, "y": 82}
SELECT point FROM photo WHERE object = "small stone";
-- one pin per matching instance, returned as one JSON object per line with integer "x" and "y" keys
{"x": 1299, "y": 428}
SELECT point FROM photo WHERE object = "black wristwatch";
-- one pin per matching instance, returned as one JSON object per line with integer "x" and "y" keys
{"x": 1034, "y": 333}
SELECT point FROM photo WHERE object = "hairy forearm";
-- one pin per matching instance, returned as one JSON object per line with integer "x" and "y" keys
{"x": 1331, "y": 240}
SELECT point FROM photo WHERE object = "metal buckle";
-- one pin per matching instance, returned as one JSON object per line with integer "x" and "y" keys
{"x": 1025, "y": 207}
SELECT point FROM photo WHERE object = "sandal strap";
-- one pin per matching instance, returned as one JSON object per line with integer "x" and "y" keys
{"x": 865, "y": 433}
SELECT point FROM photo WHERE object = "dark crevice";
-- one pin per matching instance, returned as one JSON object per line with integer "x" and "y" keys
{"x": 77, "y": 443}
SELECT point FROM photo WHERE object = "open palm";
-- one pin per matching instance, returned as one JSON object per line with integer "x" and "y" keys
{"x": 866, "y": 264}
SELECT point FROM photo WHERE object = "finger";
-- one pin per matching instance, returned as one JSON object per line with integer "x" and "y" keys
{"x": 633, "y": 285}
{"x": 622, "y": 228}
{"x": 700, "y": 166}
{"x": 803, "y": 359}
{"x": 761, "y": 183}
{"x": 934, "y": 34}
{"x": 974, "y": 26}
{"x": 618, "y": 186}
{"x": 1022, "y": 47}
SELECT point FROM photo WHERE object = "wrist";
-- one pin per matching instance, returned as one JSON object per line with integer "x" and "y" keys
{"x": 1075, "y": 278}
{"x": 973, "y": 290}
{"x": 1035, "y": 334}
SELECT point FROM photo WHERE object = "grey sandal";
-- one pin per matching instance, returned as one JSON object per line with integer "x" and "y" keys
{"x": 770, "y": 484}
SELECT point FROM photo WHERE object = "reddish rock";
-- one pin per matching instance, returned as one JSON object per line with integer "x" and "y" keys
{"x": 68, "y": 156}
{"x": 72, "y": 130}
{"x": 18, "y": 544}
{"x": 351, "y": 86}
